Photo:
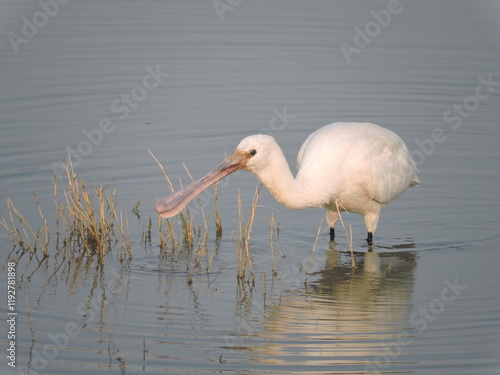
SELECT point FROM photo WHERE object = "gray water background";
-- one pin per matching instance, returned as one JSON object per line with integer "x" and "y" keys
{"x": 425, "y": 302}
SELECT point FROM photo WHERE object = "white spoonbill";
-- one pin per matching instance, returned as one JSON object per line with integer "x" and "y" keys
{"x": 361, "y": 166}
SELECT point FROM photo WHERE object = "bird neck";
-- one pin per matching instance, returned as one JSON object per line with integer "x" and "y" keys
{"x": 280, "y": 182}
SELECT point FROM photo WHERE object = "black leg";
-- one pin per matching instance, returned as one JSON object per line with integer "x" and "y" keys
{"x": 369, "y": 238}
{"x": 332, "y": 234}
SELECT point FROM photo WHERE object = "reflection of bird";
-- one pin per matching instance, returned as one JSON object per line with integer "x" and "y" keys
{"x": 362, "y": 167}
{"x": 340, "y": 316}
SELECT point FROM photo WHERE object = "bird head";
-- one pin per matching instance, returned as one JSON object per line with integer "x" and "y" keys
{"x": 258, "y": 150}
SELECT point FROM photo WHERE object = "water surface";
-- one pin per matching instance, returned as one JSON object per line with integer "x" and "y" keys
{"x": 426, "y": 301}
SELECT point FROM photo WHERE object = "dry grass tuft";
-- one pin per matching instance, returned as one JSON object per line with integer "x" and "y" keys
{"x": 22, "y": 234}
{"x": 273, "y": 241}
{"x": 347, "y": 234}
{"x": 218, "y": 219}
{"x": 86, "y": 220}
{"x": 313, "y": 249}
{"x": 244, "y": 235}
{"x": 192, "y": 238}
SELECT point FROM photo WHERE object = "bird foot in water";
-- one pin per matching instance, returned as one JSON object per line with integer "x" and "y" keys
{"x": 369, "y": 238}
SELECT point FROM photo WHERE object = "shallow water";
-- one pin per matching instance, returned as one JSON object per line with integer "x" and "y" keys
{"x": 426, "y": 301}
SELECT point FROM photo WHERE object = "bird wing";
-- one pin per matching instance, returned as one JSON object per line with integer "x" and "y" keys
{"x": 350, "y": 157}
{"x": 384, "y": 165}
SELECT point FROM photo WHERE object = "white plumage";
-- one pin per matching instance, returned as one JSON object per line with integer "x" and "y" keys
{"x": 361, "y": 166}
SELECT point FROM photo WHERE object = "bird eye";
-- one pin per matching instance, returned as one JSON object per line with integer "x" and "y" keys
{"x": 253, "y": 152}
